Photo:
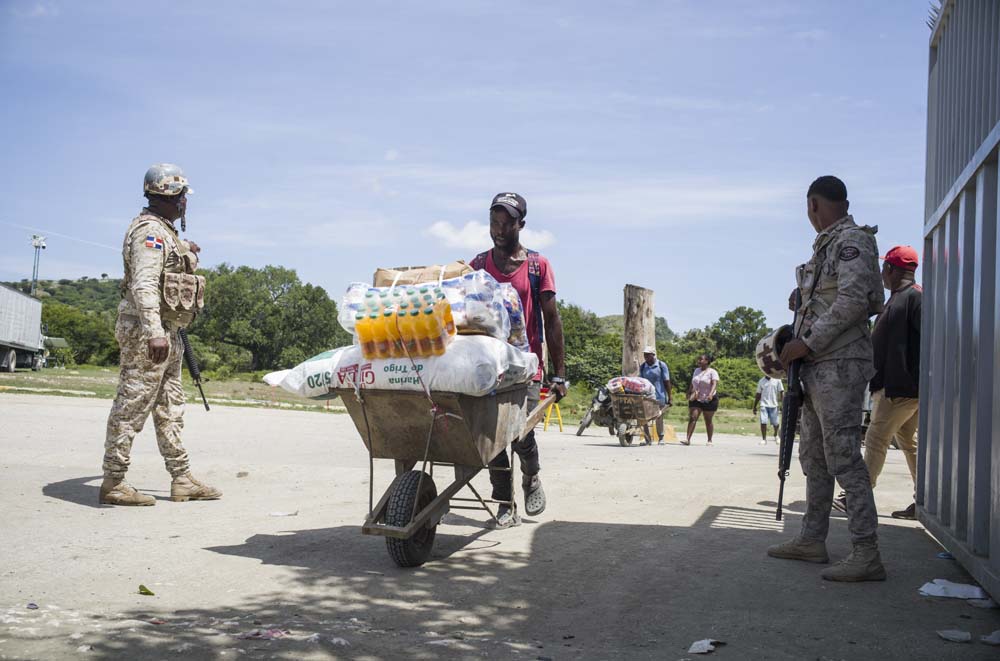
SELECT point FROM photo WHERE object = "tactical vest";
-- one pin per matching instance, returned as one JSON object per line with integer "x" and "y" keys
{"x": 817, "y": 281}
{"x": 182, "y": 293}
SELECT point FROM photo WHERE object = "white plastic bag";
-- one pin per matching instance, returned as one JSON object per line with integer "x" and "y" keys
{"x": 477, "y": 304}
{"x": 473, "y": 365}
{"x": 515, "y": 312}
{"x": 312, "y": 378}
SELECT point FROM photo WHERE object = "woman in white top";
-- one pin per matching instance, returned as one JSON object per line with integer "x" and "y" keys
{"x": 703, "y": 397}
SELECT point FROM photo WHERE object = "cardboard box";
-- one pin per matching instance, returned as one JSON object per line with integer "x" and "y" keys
{"x": 414, "y": 275}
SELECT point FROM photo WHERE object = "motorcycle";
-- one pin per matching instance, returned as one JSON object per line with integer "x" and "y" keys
{"x": 600, "y": 413}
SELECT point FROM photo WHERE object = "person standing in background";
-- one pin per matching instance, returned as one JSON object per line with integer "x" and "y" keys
{"x": 896, "y": 384}
{"x": 656, "y": 372}
{"x": 703, "y": 397}
{"x": 768, "y": 397}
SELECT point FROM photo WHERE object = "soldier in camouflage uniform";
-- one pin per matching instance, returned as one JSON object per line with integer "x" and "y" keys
{"x": 160, "y": 294}
{"x": 841, "y": 288}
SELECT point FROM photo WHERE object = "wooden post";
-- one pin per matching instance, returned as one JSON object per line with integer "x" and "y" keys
{"x": 640, "y": 327}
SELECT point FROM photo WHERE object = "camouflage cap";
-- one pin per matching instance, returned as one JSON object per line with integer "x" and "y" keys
{"x": 165, "y": 179}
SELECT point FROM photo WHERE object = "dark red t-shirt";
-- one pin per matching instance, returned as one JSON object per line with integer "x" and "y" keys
{"x": 520, "y": 282}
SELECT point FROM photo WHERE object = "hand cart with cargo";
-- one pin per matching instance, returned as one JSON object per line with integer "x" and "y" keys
{"x": 634, "y": 412}
{"x": 438, "y": 430}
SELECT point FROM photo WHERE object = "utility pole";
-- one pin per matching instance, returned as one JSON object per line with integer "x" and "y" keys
{"x": 640, "y": 327}
{"x": 38, "y": 241}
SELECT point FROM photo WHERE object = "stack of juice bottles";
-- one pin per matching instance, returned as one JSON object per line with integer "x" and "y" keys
{"x": 412, "y": 322}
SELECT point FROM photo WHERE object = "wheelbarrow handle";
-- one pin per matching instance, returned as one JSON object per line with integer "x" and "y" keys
{"x": 536, "y": 416}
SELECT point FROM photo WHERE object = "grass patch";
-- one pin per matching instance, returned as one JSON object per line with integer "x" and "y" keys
{"x": 248, "y": 390}
{"x": 102, "y": 382}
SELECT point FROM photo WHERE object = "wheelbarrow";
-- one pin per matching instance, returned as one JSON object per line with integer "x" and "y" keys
{"x": 462, "y": 432}
{"x": 633, "y": 414}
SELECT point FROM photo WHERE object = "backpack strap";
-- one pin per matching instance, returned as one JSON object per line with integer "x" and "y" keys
{"x": 535, "y": 280}
{"x": 479, "y": 261}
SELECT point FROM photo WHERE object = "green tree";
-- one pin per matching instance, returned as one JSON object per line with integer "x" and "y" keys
{"x": 593, "y": 355}
{"x": 737, "y": 332}
{"x": 738, "y": 379}
{"x": 90, "y": 335}
{"x": 696, "y": 341}
{"x": 269, "y": 313}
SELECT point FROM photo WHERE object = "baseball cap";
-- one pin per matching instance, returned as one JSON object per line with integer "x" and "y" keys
{"x": 650, "y": 349}
{"x": 513, "y": 203}
{"x": 904, "y": 257}
{"x": 828, "y": 187}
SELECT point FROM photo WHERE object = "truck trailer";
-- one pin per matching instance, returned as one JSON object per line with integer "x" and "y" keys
{"x": 22, "y": 343}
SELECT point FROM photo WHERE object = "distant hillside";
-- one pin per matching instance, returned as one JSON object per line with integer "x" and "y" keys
{"x": 615, "y": 325}
{"x": 86, "y": 294}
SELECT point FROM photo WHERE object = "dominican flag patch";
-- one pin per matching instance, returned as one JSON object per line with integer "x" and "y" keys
{"x": 154, "y": 243}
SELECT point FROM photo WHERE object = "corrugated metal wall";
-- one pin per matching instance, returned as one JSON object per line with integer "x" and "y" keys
{"x": 958, "y": 484}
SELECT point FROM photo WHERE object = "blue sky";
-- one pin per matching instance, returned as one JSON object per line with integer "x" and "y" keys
{"x": 665, "y": 144}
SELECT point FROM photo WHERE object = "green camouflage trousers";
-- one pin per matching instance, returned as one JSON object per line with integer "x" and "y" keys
{"x": 830, "y": 447}
{"x": 145, "y": 387}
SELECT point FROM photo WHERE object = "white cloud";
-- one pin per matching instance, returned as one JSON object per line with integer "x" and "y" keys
{"x": 475, "y": 236}
{"x": 392, "y": 155}
{"x": 37, "y": 10}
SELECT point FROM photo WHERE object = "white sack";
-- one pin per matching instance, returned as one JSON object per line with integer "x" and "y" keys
{"x": 472, "y": 365}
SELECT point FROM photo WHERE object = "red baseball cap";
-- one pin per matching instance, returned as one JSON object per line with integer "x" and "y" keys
{"x": 904, "y": 257}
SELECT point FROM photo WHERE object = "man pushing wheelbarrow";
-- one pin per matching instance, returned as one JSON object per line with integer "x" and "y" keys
{"x": 419, "y": 394}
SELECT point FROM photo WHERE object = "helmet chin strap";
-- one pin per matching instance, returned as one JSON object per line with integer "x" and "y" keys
{"x": 184, "y": 214}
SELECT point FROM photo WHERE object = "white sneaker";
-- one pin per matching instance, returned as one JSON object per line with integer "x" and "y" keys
{"x": 763, "y": 441}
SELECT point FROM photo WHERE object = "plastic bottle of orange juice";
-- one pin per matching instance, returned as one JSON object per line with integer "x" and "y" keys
{"x": 363, "y": 329}
{"x": 435, "y": 332}
{"x": 406, "y": 330}
{"x": 392, "y": 331}
{"x": 443, "y": 310}
{"x": 379, "y": 335}
{"x": 420, "y": 333}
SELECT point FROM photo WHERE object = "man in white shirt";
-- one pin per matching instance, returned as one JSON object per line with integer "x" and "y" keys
{"x": 768, "y": 397}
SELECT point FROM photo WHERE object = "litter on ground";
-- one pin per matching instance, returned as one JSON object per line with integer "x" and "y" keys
{"x": 955, "y": 635}
{"x": 943, "y": 588}
{"x": 705, "y": 646}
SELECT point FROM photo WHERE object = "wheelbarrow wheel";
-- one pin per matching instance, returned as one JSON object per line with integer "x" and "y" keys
{"x": 585, "y": 423}
{"x": 624, "y": 438}
{"x": 414, "y": 551}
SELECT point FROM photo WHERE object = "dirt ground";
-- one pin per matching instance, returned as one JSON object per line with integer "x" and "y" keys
{"x": 641, "y": 552}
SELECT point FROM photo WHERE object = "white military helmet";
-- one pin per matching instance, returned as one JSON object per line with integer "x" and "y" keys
{"x": 165, "y": 179}
{"x": 768, "y": 350}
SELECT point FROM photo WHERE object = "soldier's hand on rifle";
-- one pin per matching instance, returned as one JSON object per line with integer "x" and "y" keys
{"x": 791, "y": 299}
{"x": 195, "y": 248}
{"x": 793, "y": 350}
{"x": 159, "y": 347}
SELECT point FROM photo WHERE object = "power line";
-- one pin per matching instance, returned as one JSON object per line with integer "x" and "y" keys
{"x": 59, "y": 234}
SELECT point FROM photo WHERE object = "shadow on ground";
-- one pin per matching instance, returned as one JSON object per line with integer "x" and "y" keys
{"x": 77, "y": 491}
{"x": 583, "y": 590}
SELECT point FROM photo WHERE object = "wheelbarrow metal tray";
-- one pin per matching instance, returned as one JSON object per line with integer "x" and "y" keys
{"x": 630, "y": 406}
{"x": 476, "y": 430}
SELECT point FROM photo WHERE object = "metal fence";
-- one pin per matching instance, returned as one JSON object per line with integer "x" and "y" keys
{"x": 958, "y": 484}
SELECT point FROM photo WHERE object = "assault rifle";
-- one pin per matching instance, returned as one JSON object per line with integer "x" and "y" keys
{"x": 790, "y": 406}
{"x": 192, "y": 364}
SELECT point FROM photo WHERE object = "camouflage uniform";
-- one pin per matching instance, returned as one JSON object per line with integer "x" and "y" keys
{"x": 159, "y": 295}
{"x": 841, "y": 288}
